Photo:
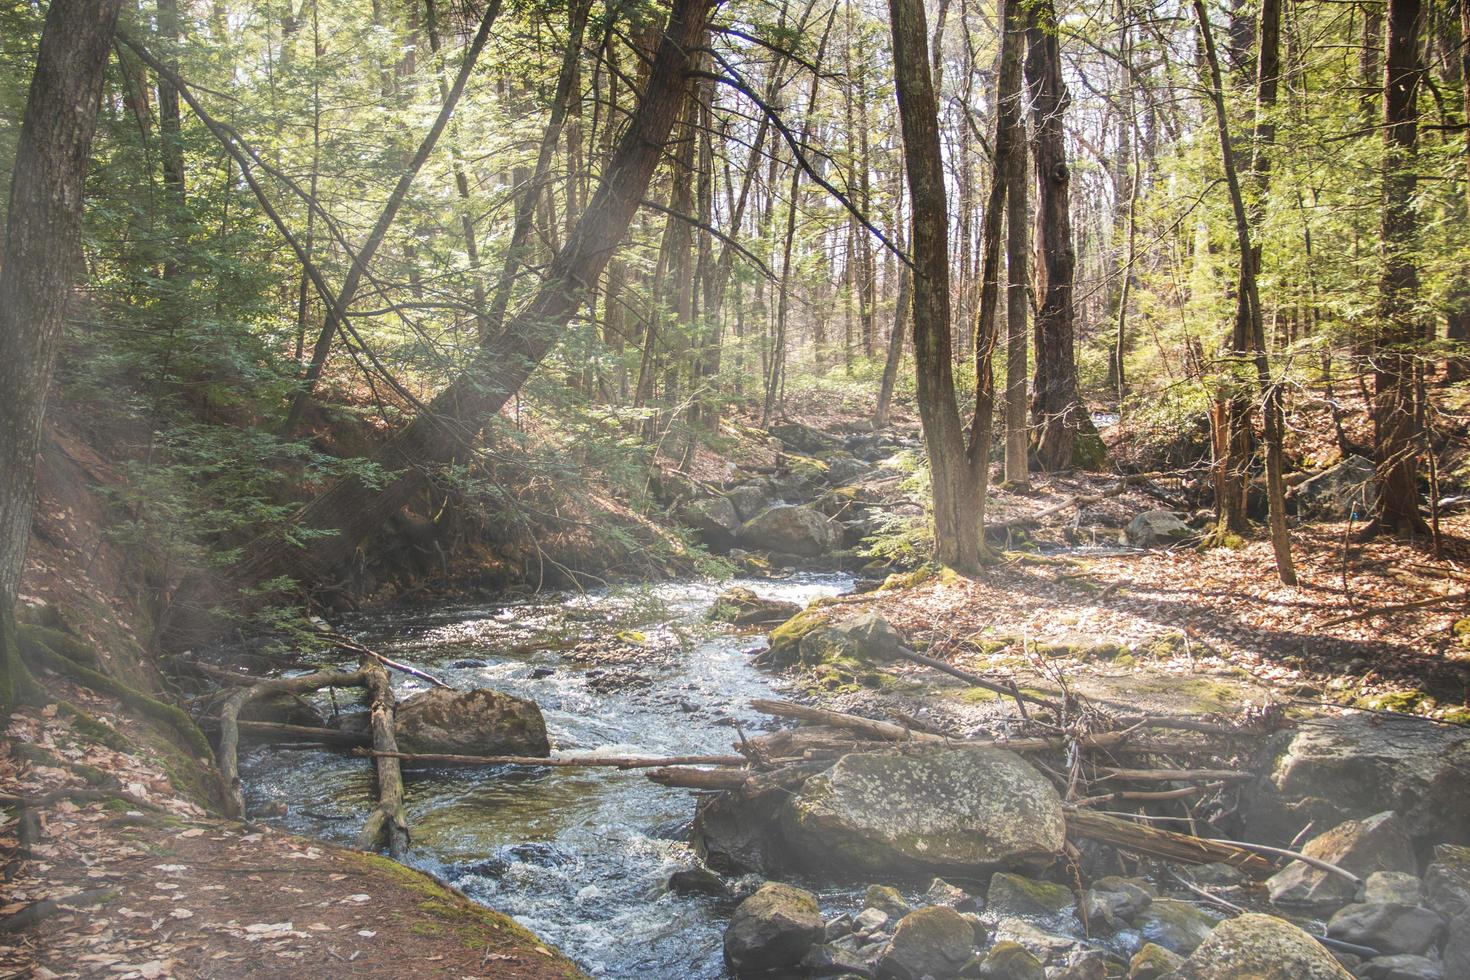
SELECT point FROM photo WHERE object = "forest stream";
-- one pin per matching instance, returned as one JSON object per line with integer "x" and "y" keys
{"x": 579, "y": 856}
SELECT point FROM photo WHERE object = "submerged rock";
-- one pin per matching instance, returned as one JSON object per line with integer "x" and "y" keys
{"x": 1261, "y": 947}
{"x": 772, "y": 929}
{"x": 930, "y": 942}
{"x": 1177, "y": 926}
{"x": 1027, "y": 898}
{"x": 476, "y": 722}
{"x": 971, "y": 808}
{"x": 1379, "y": 843}
{"x": 735, "y": 835}
{"x": 1388, "y": 927}
{"x": 789, "y": 529}
{"x": 1331, "y": 769}
{"x": 739, "y": 606}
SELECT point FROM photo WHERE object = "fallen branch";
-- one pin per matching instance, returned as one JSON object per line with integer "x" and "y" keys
{"x": 46, "y": 907}
{"x": 388, "y": 822}
{"x": 1327, "y": 866}
{"x": 304, "y": 733}
{"x": 560, "y": 761}
{"x": 229, "y": 722}
{"x": 710, "y": 779}
{"x": 884, "y": 730}
{"x": 352, "y": 646}
{"x": 1165, "y": 844}
{"x": 1394, "y": 607}
{"x": 1010, "y": 689}
{"x": 1177, "y": 775}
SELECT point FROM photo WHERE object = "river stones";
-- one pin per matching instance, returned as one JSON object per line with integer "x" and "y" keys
{"x": 1177, "y": 926}
{"x": 734, "y": 835}
{"x": 1262, "y": 947}
{"x": 749, "y": 499}
{"x": 1387, "y": 927}
{"x": 772, "y": 929}
{"x": 789, "y": 529}
{"x": 1331, "y": 769}
{"x": 1044, "y": 902}
{"x": 1379, "y": 843}
{"x": 1008, "y": 960}
{"x": 965, "y": 808}
{"x": 1153, "y": 962}
{"x": 476, "y": 722}
{"x": 931, "y": 942}
{"x": 803, "y": 438}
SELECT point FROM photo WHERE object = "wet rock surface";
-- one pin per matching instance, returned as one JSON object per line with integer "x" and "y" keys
{"x": 1262, "y": 947}
{"x": 772, "y": 929}
{"x": 478, "y": 722}
{"x": 1378, "y": 843}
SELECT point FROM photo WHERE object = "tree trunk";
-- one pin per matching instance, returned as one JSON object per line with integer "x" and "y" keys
{"x": 1396, "y": 428}
{"x": 41, "y": 260}
{"x": 342, "y": 516}
{"x": 1018, "y": 244}
{"x": 956, "y": 469}
{"x": 1057, "y": 412}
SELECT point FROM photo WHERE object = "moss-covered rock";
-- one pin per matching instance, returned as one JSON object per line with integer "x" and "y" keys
{"x": 1174, "y": 925}
{"x": 930, "y": 942}
{"x": 1028, "y": 898}
{"x": 478, "y": 722}
{"x": 740, "y": 606}
{"x": 1153, "y": 962}
{"x": 1008, "y": 960}
{"x": 772, "y": 929}
{"x": 784, "y": 642}
{"x": 1261, "y": 947}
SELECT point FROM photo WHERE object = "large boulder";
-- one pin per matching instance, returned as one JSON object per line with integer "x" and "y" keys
{"x": 1378, "y": 843}
{"x": 1338, "y": 490}
{"x": 790, "y": 529}
{"x": 735, "y": 835}
{"x": 1260, "y": 947}
{"x": 714, "y": 519}
{"x": 476, "y": 722}
{"x": 748, "y": 499}
{"x": 867, "y": 637}
{"x": 739, "y": 606}
{"x": 842, "y": 470}
{"x": 772, "y": 930}
{"x": 804, "y": 438}
{"x": 931, "y": 942}
{"x": 1355, "y": 765}
{"x": 965, "y": 808}
{"x": 1156, "y": 529}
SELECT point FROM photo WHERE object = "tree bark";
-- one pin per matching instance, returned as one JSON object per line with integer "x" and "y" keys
{"x": 1057, "y": 412}
{"x": 42, "y": 257}
{"x": 347, "y": 512}
{"x": 1018, "y": 245}
{"x": 1396, "y": 427}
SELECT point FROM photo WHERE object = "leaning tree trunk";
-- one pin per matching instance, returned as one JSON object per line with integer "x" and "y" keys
{"x": 340, "y": 518}
{"x": 1395, "y": 405}
{"x": 42, "y": 256}
{"x": 1057, "y": 412}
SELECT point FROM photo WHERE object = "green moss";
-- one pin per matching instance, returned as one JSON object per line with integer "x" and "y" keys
{"x": 1454, "y": 716}
{"x": 786, "y": 638}
{"x": 975, "y": 695}
{"x": 1405, "y": 701}
{"x": 1088, "y": 451}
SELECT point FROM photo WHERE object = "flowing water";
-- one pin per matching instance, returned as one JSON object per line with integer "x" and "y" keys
{"x": 579, "y": 856}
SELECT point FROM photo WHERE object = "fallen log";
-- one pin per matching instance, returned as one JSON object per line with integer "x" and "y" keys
{"x": 883, "y": 730}
{"x": 710, "y": 779}
{"x": 229, "y": 722}
{"x": 388, "y": 822}
{"x": 305, "y": 733}
{"x": 561, "y": 761}
{"x": 1177, "y": 775}
{"x": 1166, "y": 844}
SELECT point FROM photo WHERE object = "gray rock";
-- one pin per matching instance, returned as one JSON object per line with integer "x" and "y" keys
{"x": 1401, "y": 967}
{"x": 1153, "y": 962}
{"x": 1082, "y": 964}
{"x": 1009, "y": 960}
{"x": 475, "y": 722}
{"x": 1398, "y": 887}
{"x": 790, "y": 529}
{"x": 844, "y": 470}
{"x": 869, "y": 921}
{"x": 1338, "y": 490}
{"x": 1222, "y": 875}
{"x": 735, "y": 835}
{"x": 941, "y": 892}
{"x": 1111, "y": 902}
{"x": 1377, "y": 843}
{"x": 1387, "y": 927}
{"x": 1046, "y": 946}
{"x": 1156, "y": 529}
{"x": 740, "y": 606}
{"x": 714, "y": 519}
{"x": 838, "y": 927}
{"x": 973, "y": 809}
{"x": 1174, "y": 925}
{"x": 696, "y": 881}
{"x": 828, "y": 960}
{"x": 933, "y": 941}
{"x": 1447, "y": 881}
{"x": 1331, "y": 769}
{"x": 748, "y": 500}
{"x": 772, "y": 929}
{"x": 1456, "y": 953}
{"x": 873, "y": 638}
{"x": 804, "y": 438}
{"x": 1261, "y": 947}
{"x": 1026, "y": 898}
{"x": 888, "y": 899}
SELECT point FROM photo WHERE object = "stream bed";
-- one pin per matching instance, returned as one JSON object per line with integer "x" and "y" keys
{"x": 579, "y": 856}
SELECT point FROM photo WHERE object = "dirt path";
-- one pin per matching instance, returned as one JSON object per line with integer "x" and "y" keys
{"x": 189, "y": 896}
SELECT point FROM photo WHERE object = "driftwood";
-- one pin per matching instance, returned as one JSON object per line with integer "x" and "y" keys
{"x": 1297, "y": 856}
{"x": 388, "y": 822}
{"x": 562, "y": 761}
{"x": 1164, "y": 843}
{"x": 352, "y": 646}
{"x": 1176, "y": 775}
{"x": 710, "y": 779}
{"x": 884, "y": 730}
{"x": 229, "y": 722}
